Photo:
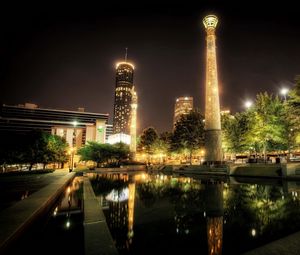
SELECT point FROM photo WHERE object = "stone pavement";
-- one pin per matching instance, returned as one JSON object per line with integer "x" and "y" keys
{"x": 286, "y": 246}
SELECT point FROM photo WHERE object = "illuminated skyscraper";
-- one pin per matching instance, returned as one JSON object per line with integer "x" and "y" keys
{"x": 123, "y": 97}
{"x": 213, "y": 145}
{"x": 133, "y": 123}
{"x": 183, "y": 105}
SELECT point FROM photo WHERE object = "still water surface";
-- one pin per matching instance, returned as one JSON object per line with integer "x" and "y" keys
{"x": 163, "y": 214}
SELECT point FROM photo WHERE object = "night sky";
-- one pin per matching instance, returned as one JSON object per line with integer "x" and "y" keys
{"x": 64, "y": 57}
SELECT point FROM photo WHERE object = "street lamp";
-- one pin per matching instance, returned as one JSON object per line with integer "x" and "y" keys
{"x": 248, "y": 104}
{"x": 284, "y": 92}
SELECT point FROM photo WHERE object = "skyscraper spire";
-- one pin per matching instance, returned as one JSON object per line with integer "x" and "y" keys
{"x": 126, "y": 54}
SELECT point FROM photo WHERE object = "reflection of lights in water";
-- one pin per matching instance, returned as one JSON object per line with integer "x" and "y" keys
{"x": 118, "y": 196}
{"x": 253, "y": 232}
{"x": 55, "y": 211}
{"x": 204, "y": 214}
{"x": 177, "y": 230}
{"x": 68, "y": 224}
{"x": 187, "y": 231}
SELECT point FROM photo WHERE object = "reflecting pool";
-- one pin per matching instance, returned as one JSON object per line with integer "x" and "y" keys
{"x": 60, "y": 231}
{"x": 164, "y": 214}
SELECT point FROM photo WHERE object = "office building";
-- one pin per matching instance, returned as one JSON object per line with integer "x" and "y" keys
{"x": 183, "y": 105}
{"x": 77, "y": 127}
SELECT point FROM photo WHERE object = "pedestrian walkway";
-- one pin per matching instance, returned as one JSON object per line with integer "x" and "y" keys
{"x": 14, "y": 188}
{"x": 15, "y": 219}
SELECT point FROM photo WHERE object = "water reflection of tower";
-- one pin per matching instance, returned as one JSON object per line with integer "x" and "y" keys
{"x": 131, "y": 197}
{"x": 121, "y": 215}
{"x": 214, "y": 213}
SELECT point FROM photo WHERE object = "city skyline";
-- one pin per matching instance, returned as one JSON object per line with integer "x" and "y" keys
{"x": 66, "y": 60}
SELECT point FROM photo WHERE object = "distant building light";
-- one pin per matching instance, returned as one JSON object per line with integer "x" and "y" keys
{"x": 117, "y": 138}
{"x": 124, "y": 63}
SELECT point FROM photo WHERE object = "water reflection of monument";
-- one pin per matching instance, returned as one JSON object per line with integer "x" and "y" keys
{"x": 214, "y": 213}
{"x": 120, "y": 216}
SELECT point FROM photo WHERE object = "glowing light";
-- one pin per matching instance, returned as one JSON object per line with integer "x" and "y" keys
{"x": 68, "y": 224}
{"x": 124, "y": 63}
{"x": 120, "y": 137}
{"x": 284, "y": 91}
{"x": 118, "y": 196}
{"x": 75, "y": 123}
{"x": 55, "y": 211}
{"x": 253, "y": 232}
{"x": 210, "y": 21}
{"x": 248, "y": 104}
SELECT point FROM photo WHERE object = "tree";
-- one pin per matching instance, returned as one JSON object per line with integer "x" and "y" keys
{"x": 147, "y": 140}
{"x": 269, "y": 126}
{"x": 236, "y": 131}
{"x": 36, "y": 148}
{"x": 57, "y": 149}
{"x": 292, "y": 116}
{"x": 121, "y": 151}
{"x": 104, "y": 153}
{"x": 189, "y": 133}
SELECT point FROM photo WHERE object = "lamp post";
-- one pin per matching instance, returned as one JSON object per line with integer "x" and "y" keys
{"x": 72, "y": 150}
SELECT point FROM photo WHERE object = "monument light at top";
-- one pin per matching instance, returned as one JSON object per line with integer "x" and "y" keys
{"x": 210, "y": 21}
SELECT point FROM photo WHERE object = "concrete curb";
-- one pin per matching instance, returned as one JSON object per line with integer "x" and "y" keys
{"x": 97, "y": 237}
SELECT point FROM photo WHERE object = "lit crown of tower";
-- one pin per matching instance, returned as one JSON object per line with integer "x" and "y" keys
{"x": 210, "y": 21}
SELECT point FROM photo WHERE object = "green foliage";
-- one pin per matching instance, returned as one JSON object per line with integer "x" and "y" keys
{"x": 35, "y": 147}
{"x": 147, "y": 140}
{"x": 104, "y": 153}
{"x": 292, "y": 116}
{"x": 269, "y": 125}
{"x": 189, "y": 133}
{"x": 236, "y": 131}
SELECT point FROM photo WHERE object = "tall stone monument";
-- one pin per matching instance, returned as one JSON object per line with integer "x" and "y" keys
{"x": 213, "y": 143}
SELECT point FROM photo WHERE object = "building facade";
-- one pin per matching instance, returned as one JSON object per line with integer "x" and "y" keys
{"x": 77, "y": 127}
{"x": 183, "y": 105}
{"x": 123, "y": 98}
